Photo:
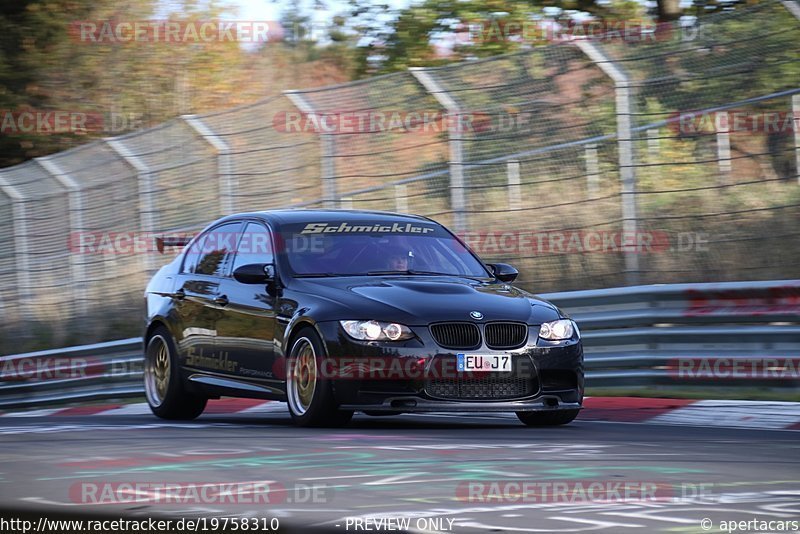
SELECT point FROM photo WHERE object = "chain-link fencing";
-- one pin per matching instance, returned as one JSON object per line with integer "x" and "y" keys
{"x": 670, "y": 157}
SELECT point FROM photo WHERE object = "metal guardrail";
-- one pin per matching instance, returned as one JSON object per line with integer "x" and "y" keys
{"x": 88, "y": 372}
{"x": 633, "y": 336}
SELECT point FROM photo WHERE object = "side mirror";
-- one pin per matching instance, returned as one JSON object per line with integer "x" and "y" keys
{"x": 255, "y": 273}
{"x": 504, "y": 272}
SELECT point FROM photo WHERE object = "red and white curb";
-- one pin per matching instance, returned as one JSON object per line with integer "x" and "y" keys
{"x": 214, "y": 407}
{"x": 766, "y": 415}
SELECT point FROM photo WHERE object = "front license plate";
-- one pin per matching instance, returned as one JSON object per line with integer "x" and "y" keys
{"x": 476, "y": 362}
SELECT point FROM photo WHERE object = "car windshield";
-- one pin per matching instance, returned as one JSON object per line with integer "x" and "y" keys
{"x": 348, "y": 248}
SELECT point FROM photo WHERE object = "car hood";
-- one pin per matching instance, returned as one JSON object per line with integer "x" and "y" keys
{"x": 418, "y": 300}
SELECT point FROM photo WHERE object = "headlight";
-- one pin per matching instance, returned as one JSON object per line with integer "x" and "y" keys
{"x": 555, "y": 330}
{"x": 376, "y": 331}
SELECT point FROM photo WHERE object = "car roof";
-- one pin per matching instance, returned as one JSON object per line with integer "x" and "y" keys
{"x": 322, "y": 215}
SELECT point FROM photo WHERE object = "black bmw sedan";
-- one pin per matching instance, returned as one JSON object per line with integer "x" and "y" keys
{"x": 335, "y": 311}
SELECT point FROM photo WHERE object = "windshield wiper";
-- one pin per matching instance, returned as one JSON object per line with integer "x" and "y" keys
{"x": 410, "y": 271}
{"x": 320, "y": 275}
{"x": 430, "y": 273}
{"x": 388, "y": 273}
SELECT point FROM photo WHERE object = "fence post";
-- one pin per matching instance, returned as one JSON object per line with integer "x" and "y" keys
{"x": 401, "y": 198}
{"x": 147, "y": 211}
{"x": 75, "y": 200}
{"x": 330, "y": 194}
{"x": 226, "y": 185}
{"x": 457, "y": 181}
{"x": 514, "y": 189}
{"x": 592, "y": 169}
{"x": 624, "y": 112}
{"x": 722, "y": 128}
{"x": 21, "y": 253}
{"x": 796, "y": 128}
{"x": 653, "y": 145}
{"x": 794, "y": 8}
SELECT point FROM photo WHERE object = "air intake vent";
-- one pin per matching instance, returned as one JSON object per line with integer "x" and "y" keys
{"x": 505, "y": 335}
{"x": 456, "y": 335}
{"x": 520, "y": 382}
{"x": 486, "y": 388}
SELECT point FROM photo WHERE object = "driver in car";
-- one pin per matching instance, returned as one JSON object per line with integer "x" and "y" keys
{"x": 398, "y": 260}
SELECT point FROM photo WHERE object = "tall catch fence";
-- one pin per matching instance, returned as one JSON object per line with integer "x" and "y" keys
{"x": 669, "y": 157}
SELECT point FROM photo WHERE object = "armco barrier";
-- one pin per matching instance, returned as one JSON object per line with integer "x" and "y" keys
{"x": 88, "y": 372}
{"x": 733, "y": 334}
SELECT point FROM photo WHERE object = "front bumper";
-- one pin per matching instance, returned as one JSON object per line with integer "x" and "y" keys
{"x": 543, "y": 403}
{"x": 547, "y": 376}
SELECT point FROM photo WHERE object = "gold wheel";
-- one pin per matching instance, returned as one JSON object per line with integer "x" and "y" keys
{"x": 157, "y": 371}
{"x": 302, "y": 376}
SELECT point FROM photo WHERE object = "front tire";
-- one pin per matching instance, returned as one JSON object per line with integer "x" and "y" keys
{"x": 162, "y": 382}
{"x": 554, "y": 418}
{"x": 309, "y": 395}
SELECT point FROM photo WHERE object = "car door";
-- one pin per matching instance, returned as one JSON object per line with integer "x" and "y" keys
{"x": 246, "y": 330}
{"x": 198, "y": 304}
{"x": 191, "y": 299}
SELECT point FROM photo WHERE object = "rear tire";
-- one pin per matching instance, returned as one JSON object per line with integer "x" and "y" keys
{"x": 309, "y": 395}
{"x": 162, "y": 381}
{"x": 554, "y": 418}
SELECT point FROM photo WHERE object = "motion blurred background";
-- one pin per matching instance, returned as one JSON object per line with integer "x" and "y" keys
{"x": 592, "y": 144}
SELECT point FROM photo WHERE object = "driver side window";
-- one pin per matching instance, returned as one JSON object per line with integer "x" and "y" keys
{"x": 255, "y": 246}
{"x": 218, "y": 249}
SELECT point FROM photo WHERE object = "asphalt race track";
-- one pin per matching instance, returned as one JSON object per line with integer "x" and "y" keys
{"x": 407, "y": 467}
